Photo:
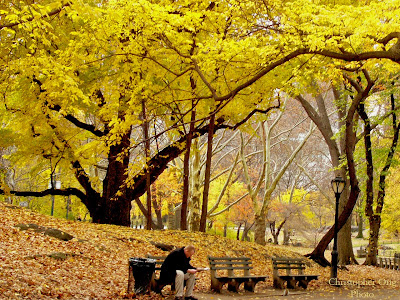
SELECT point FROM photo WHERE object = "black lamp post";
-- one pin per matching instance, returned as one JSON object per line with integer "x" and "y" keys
{"x": 338, "y": 185}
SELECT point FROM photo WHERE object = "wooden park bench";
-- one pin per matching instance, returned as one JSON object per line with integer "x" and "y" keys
{"x": 289, "y": 264}
{"x": 234, "y": 281}
{"x": 389, "y": 263}
{"x": 154, "y": 286}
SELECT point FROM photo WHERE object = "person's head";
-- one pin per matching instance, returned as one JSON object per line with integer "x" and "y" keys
{"x": 189, "y": 250}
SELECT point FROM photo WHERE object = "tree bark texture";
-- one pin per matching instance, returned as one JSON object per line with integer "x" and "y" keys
{"x": 260, "y": 228}
{"x": 286, "y": 235}
{"x": 246, "y": 231}
{"x": 238, "y": 231}
{"x": 345, "y": 245}
{"x": 372, "y": 248}
{"x": 156, "y": 207}
{"x": 360, "y": 234}
{"x": 171, "y": 217}
{"x": 114, "y": 206}
{"x": 196, "y": 183}
{"x": 273, "y": 232}
{"x": 145, "y": 126}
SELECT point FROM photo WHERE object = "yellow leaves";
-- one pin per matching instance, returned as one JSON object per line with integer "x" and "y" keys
{"x": 336, "y": 27}
{"x": 11, "y": 18}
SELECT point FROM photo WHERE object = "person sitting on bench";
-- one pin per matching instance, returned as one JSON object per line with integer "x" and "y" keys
{"x": 177, "y": 268}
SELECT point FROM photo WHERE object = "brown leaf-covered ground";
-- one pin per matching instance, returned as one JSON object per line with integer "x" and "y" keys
{"x": 94, "y": 264}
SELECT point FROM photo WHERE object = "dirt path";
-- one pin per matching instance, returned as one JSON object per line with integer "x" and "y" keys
{"x": 340, "y": 294}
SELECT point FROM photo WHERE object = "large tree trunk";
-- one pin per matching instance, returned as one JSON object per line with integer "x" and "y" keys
{"x": 115, "y": 212}
{"x": 114, "y": 206}
{"x": 260, "y": 228}
{"x": 286, "y": 235}
{"x": 345, "y": 245}
{"x": 372, "y": 249}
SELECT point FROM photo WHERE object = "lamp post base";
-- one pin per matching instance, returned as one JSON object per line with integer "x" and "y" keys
{"x": 334, "y": 266}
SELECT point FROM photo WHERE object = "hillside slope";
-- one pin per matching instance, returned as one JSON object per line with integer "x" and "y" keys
{"x": 94, "y": 264}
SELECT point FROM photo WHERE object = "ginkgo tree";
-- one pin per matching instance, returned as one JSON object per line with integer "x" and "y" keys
{"x": 76, "y": 73}
{"x": 78, "y": 79}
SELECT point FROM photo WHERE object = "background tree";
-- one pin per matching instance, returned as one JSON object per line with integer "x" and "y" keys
{"x": 373, "y": 209}
{"x": 320, "y": 117}
{"x": 267, "y": 177}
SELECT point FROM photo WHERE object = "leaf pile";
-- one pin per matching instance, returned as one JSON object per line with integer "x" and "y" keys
{"x": 94, "y": 264}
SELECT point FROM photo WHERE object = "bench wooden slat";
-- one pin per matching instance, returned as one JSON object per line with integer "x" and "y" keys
{"x": 294, "y": 276}
{"x": 240, "y": 277}
{"x": 294, "y": 265}
{"x": 159, "y": 260}
{"x": 288, "y": 262}
{"x": 225, "y": 258}
{"x": 230, "y": 268}
{"x": 290, "y": 268}
{"x": 229, "y": 262}
{"x": 286, "y": 259}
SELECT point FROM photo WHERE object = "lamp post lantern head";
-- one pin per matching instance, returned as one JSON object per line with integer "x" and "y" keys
{"x": 338, "y": 185}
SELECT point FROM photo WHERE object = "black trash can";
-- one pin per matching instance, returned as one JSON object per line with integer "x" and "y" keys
{"x": 142, "y": 270}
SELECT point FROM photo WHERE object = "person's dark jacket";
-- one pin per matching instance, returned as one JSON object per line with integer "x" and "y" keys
{"x": 176, "y": 260}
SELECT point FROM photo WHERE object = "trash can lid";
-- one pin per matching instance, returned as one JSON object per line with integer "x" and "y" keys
{"x": 141, "y": 261}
